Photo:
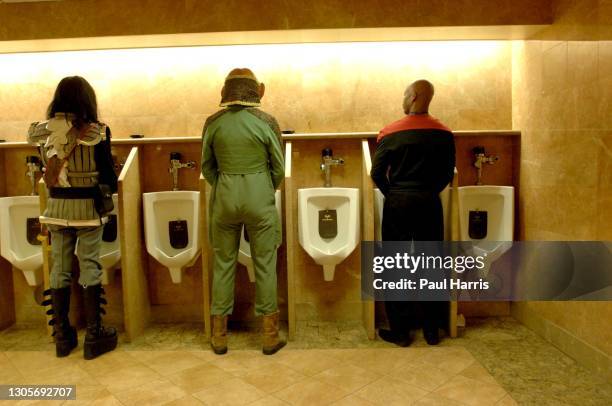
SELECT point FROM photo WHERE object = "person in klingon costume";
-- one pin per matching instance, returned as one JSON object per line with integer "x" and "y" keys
{"x": 75, "y": 150}
{"x": 243, "y": 162}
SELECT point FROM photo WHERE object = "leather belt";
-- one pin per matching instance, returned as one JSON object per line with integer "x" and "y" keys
{"x": 83, "y": 174}
{"x": 73, "y": 192}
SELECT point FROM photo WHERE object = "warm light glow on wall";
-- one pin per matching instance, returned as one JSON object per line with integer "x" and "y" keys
{"x": 438, "y": 55}
{"x": 353, "y": 86}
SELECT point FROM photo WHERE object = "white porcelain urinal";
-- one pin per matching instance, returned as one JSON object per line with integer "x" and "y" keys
{"x": 171, "y": 229}
{"x": 110, "y": 251}
{"x": 17, "y": 215}
{"x": 379, "y": 202}
{"x": 486, "y": 216}
{"x": 328, "y": 225}
{"x": 244, "y": 253}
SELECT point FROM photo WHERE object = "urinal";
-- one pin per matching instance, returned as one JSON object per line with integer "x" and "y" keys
{"x": 486, "y": 217}
{"x": 110, "y": 249}
{"x": 171, "y": 229}
{"x": 328, "y": 225}
{"x": 19, "y": 227}
{"x": 244, "y": 253}
{"x": 379, "y": 202}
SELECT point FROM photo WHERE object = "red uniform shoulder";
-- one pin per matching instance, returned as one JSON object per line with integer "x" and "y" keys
{"x": 412, "y": 122}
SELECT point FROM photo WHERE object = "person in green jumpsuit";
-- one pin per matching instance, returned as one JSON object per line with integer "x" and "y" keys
{"x": 242, "y": 160}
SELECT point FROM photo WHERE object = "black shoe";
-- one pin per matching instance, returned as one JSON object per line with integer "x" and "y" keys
{"x": 431, "y": 336}
{"x": 99, "y": 339}
{"x": 65, "y": 335}
{"x": 402, "y": 340}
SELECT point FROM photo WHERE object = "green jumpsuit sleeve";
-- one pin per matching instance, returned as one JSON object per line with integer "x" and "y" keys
{"x": 277, "y": 165}
{"x": 209, "y": 162}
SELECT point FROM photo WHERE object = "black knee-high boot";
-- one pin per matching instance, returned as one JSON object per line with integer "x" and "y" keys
{"x": 99, "y": 339}
{"x": 65, "y": 335}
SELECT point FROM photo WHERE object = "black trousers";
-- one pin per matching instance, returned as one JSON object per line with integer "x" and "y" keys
{"x": 417, "y": 216}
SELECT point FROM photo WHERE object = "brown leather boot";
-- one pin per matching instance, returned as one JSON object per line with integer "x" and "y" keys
{"x": 219, "y": 334}
{"x": 271, "y": 341}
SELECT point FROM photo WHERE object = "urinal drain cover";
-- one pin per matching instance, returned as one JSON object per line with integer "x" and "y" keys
{"x": 177, "y": 230}
{"x": 477, "y": 227}
{"x": 328, "y": 223}
{"x": 32, "y": 230}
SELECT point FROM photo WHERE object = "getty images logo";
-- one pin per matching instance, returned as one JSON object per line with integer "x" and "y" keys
{"x": 412, "y": 263}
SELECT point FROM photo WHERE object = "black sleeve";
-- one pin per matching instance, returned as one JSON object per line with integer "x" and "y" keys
{"x": 447, "y": 166}
{"x": 104, "y": 162}
{"x": 380, "y": 165}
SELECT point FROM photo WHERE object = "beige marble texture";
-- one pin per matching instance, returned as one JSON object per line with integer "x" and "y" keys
{"x": 195, "y": 379}
{"x": 61, "y": 20}
{"x": 561, "y": 103}
{"x": 273, "y": 377}
{"x": 349, "y": 378}
{"x": 231, "y": 392}
{"x": 471, "y": 391}
{"x": 155, "y": 392}
{"x": 391, "y": 391}
{"x": 495, "y": 361}
{"x": 311, "y": 392}
{"x": 310, "y": 87}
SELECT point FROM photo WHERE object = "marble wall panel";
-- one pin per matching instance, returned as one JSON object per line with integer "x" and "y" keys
{"x": 561, "y": 103}
{"x": 310, "y": 87}
{"x": 64, "y": 20}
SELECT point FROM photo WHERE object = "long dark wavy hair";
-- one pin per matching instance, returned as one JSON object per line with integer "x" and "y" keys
{"x": 75, "y": 95}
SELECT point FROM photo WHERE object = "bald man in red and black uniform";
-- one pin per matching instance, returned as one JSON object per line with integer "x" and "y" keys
{"x": 414, "y": 162}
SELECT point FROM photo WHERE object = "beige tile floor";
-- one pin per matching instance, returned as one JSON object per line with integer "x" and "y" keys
{"x": 376, "y": 376}
{"x": 495, "y": 361}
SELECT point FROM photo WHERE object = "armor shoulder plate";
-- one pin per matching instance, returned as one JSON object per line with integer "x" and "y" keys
{"x": 38, "y": 133}
{"x": 95, "y": 134}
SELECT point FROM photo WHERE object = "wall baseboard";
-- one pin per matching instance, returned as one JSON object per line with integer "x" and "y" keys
{"x": 582, "y": 352}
